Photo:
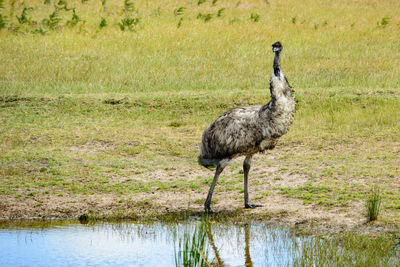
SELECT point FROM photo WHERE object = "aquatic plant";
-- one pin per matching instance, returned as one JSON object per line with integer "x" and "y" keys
{"x": 348, "y": 249}
{"x": 192, "y": 247}
{"x": 373, "y": 204}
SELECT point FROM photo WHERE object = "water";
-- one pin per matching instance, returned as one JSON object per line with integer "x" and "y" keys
{"x": 69, "y": 243}
{"x": 134, "y": 244}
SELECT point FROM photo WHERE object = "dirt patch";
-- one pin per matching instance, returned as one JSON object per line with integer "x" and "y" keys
{"x": 184, "y": 188}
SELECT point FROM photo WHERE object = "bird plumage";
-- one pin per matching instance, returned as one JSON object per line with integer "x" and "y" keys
{"x": 248, "y": 130}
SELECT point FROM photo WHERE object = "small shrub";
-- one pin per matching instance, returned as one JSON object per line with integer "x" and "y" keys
{"x": 128, "y": 24}
{"x": 175, "y": 124}
{"x": 39, "y": 31}
{"x": 128, "y": 6}
{"x": 254, "y": 17}
{"x": 74, "y": 19}
{"x": 201, "y": 2}
{"x": 204, "y": 17}
{"x": 103, "y": 23}
{"x": 383, "y": 22}
{"x": 179, "y": 11}
{"x": 219, "y": 13}
{"x": 23, "y": 19}
{"x": 3, "y": 22}
{"x": 179, "y": 23}
{"x": 53, "y": 21}
{"x": 373, "y": 204}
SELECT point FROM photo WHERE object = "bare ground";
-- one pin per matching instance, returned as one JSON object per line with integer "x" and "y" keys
{"x": 276, "y": 207}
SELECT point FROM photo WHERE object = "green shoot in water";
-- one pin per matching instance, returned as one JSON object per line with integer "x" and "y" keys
{"x": 191, "y": 249}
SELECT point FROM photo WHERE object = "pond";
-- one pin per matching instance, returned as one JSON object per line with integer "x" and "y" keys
{"x": 195, "y": 242}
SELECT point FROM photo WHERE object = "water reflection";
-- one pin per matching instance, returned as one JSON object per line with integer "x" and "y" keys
{"x": 219, "y": 261}
{"x": 248, "y": 262}
{"x": 134, "y": 244}
{"x": 141, "y": 244}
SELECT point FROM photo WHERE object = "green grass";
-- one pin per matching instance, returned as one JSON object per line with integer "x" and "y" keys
{"x": 86, "y": 110}
{"x": 191, "y": 245}
{"x": 214, "y": 55}
{"x": 373, "y": 204}
{"x": 347, "y": 249}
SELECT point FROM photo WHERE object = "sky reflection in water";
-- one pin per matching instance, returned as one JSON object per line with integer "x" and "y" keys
{"x": 133, "y": 244}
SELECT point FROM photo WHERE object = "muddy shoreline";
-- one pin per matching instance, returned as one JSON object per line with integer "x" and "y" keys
{"x": 303, "y": 222}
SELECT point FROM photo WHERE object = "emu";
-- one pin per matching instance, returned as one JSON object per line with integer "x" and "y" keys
{"x": 244, "y": 131}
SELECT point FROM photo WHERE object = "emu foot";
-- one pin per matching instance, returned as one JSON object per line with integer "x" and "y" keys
{"x": 252, "y": 206}
{"x": 209, "y": 210}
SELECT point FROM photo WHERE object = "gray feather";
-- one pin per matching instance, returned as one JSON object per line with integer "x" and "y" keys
{"x": 248, "y": 130}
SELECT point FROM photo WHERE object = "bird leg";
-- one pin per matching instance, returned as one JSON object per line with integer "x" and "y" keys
{"x": 246, "y": 169}
{"x": 207, "y": 204}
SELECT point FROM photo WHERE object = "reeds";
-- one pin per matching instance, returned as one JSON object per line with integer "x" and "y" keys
{"x": 192, "y": 247}
{"x": 373, "y": 204}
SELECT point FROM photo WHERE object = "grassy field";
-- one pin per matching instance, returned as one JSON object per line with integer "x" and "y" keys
{"x": 105, "y": 121}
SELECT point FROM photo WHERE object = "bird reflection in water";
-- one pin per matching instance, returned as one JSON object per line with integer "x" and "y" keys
{"x": 219, "y": 260}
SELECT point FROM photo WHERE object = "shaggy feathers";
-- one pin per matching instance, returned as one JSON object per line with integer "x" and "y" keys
{"x": 248, "y": 130}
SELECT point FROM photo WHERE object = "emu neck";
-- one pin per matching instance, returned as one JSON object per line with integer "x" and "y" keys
{"x": 277, "y": 63}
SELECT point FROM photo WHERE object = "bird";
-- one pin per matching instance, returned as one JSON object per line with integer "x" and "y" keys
{"x": 245, "y": 131}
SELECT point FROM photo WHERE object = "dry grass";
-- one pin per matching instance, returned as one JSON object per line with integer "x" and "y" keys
{"x": 96, "y": 114}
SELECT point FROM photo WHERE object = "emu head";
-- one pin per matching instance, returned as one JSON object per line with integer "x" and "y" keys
{"x": 277, "y": 47}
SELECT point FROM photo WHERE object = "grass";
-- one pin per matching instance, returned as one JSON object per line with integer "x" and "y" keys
{"x": 191, "y": 246}
{"x": 347, "y": 250}
{"x": 89, "y": 111}
{"x": 373, "y": 204}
